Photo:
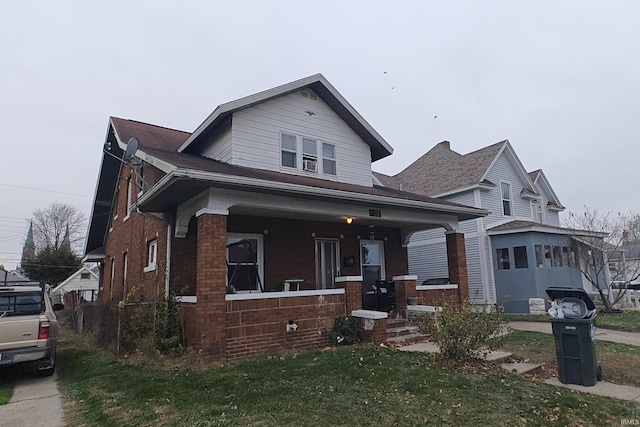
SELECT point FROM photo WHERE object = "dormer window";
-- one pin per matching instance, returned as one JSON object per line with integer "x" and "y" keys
{"x": 309, "y": 155}
{"x": 315, "y": 156}
{"x": 289, "y": 150}
{"x": 536, "y": 209}
{"x": 505, "y": 188}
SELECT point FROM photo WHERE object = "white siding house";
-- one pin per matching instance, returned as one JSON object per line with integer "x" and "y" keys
{"x": 492, "y": 178}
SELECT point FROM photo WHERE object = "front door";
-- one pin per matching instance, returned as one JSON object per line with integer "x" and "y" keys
{"x": 372, "y": 261}
{"x": 327, "y": 265}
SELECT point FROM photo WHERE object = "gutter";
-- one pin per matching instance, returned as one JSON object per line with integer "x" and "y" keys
{"x": 324, "y": 193}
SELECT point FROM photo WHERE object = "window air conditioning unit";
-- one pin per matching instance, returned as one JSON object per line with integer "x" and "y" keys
{"x": 310, "y": 165}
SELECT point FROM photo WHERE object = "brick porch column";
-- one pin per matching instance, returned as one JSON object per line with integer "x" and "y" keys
{"x": 405, "y": 288}
{"x": 457, "y": 258}
{"x": 352, "y": 292}
{"x": 211, "y": 279}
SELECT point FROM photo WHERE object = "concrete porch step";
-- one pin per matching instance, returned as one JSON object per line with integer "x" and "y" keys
{"x": 520, "y": 368}
{"x": 402, "y": 330}
{"x": 408, "y": 339}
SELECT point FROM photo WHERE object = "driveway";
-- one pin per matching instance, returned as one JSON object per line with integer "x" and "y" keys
{"x": 35, "y": 402}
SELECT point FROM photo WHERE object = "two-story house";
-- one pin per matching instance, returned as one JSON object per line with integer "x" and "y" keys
{"x": 265, "y": 217}
{"x": 515, "y": 252}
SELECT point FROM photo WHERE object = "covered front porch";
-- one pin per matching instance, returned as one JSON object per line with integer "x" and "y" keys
{"x": 261, "y": 272}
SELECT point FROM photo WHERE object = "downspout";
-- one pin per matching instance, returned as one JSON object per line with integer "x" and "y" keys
{"x": 167, "y": 276}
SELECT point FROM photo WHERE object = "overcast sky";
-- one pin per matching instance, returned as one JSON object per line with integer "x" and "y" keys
{"x": 559, "y": 79}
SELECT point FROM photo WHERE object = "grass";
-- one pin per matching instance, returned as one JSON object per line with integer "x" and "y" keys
{"x": 620, "y": 362}
{"x": 628, "y": 321}
{"x": 6, "y": 391}
{"x": 362, "y": 385}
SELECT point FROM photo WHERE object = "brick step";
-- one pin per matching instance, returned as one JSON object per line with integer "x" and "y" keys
{"x": 401, "y": 330}
{"x": 408, "y": 339}
{"x": 396, "y": 323}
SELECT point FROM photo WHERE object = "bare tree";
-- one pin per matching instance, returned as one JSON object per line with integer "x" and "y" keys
{"x": 50, "y": 226}
{"x": 602, "y": 240}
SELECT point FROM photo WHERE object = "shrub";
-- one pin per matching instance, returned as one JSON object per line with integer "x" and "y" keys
{"x": 169, "y": 327}
{"x": 464, "y": 332}
{"x": 344, "y": 331}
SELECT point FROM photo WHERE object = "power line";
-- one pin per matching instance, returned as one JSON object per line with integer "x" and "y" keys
{"x": 45, "y": 191}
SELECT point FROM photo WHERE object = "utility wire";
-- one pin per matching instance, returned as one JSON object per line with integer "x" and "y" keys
{"x": 46, "y": 191}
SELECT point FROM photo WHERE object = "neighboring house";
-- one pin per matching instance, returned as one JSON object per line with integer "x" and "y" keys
{"x": 515, "y": 252}
{"x": 9, "y": 277}
{"x": 271, "y": 193}
{"x": 82, "y": 286}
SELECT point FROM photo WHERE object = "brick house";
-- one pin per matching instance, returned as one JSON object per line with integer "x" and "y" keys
{"x": 266, "y": 215}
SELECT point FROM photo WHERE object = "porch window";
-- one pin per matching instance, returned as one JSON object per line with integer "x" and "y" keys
{"x": 520, "y": 257}
{"x": 539, "y": 256}
{"x": 372, "y": 256}
{"x": 506, "y": 198}
{"x": 327, "y": 263}
{"x": 502, "y": 255}
{"x": 289, "y": 150}
{"x": 557, "y": 256}
{"x": 244, "y": 262}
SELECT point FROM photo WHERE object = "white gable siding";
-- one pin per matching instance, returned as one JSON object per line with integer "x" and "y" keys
{"x": 255, "y": 137}
{"x": 504, "y": 171}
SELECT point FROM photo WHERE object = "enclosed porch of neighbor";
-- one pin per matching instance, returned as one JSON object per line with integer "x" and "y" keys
{"x": 293, "y": 272}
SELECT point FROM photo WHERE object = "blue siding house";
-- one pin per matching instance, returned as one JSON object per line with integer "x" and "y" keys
{"x": 515, "y": 252}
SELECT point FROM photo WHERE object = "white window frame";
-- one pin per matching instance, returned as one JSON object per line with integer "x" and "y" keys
{"x": 152, "y": 255}
{"x": 295, "y": 152}
{"x": 536, "y": 211}
{"x": 321, "y": 262}
{"x": 329, "y": 159}
{"x": 503, "y": 199}
{"x": 125, "y": 268}
{"x": 260, "y": 256}
{"x": 301, "y": 156}
{"x": 379, "y": 243}
{"x": 129, "y": 198}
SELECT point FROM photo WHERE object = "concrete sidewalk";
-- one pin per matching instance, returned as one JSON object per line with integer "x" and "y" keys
{"x": 35, "y": 402}
{"x": 629, "y": 338}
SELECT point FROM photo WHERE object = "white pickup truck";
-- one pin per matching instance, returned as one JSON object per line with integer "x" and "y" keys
{"x": 28, "y": 326}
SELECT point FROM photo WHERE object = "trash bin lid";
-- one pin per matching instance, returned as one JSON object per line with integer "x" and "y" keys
{"x": 581, "y": 294}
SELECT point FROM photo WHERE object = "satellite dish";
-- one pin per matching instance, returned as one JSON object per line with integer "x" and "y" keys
{"x": 132, "y": 148}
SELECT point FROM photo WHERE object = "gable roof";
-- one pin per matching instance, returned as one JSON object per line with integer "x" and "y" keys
{"x": 188, "y": 174}
{"x": 538, "y": 177}
{"x": 92, "y": 284}
{"x": 442, "y": 170}
{"x": 379, "y": 147}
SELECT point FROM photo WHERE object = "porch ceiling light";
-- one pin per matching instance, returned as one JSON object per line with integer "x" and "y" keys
{"x": 349, "y": 220}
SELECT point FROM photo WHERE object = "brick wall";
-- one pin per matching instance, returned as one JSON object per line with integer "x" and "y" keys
{"x": 434, "y": 297}
{"x": 259, "y": 326}
{"x": 131, "y": 236}
{"x": 289, "y": 247}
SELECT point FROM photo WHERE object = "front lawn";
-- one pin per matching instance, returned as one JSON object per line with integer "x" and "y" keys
{"x": 620, "y": 362}
{"x": 6, "y": 390}
{"x": 363, "y": 385}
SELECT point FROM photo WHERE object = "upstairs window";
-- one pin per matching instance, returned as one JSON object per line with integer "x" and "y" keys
{"x": 536, "y": 210}
{"x": 152, "y": 255}
{"x": 309, "y": 155}
{"x": 289, "y": 150}
{"x": 506, "y": 198}
{"x": 328, "y": 158}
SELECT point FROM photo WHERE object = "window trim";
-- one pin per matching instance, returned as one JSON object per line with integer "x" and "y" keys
{"x": 330, "y": 159}
{"x": 536, "y": 211}
{"x": 152, "y": 256}
{"x": 129, "y": 198}
{"x": 509, "y": 200}
{"x": 259, "y": 257}
{"x": 301, "y": 156}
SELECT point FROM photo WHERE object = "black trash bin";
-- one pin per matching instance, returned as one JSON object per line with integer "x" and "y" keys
{"x": 575, "y": 337}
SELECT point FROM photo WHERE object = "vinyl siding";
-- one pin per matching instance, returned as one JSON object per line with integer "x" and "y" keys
{"x": 255, "y": 138}
{"x": 504, "y": 171}
{"x": 429, "y": 261}
{"x": 550, "y": 217}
